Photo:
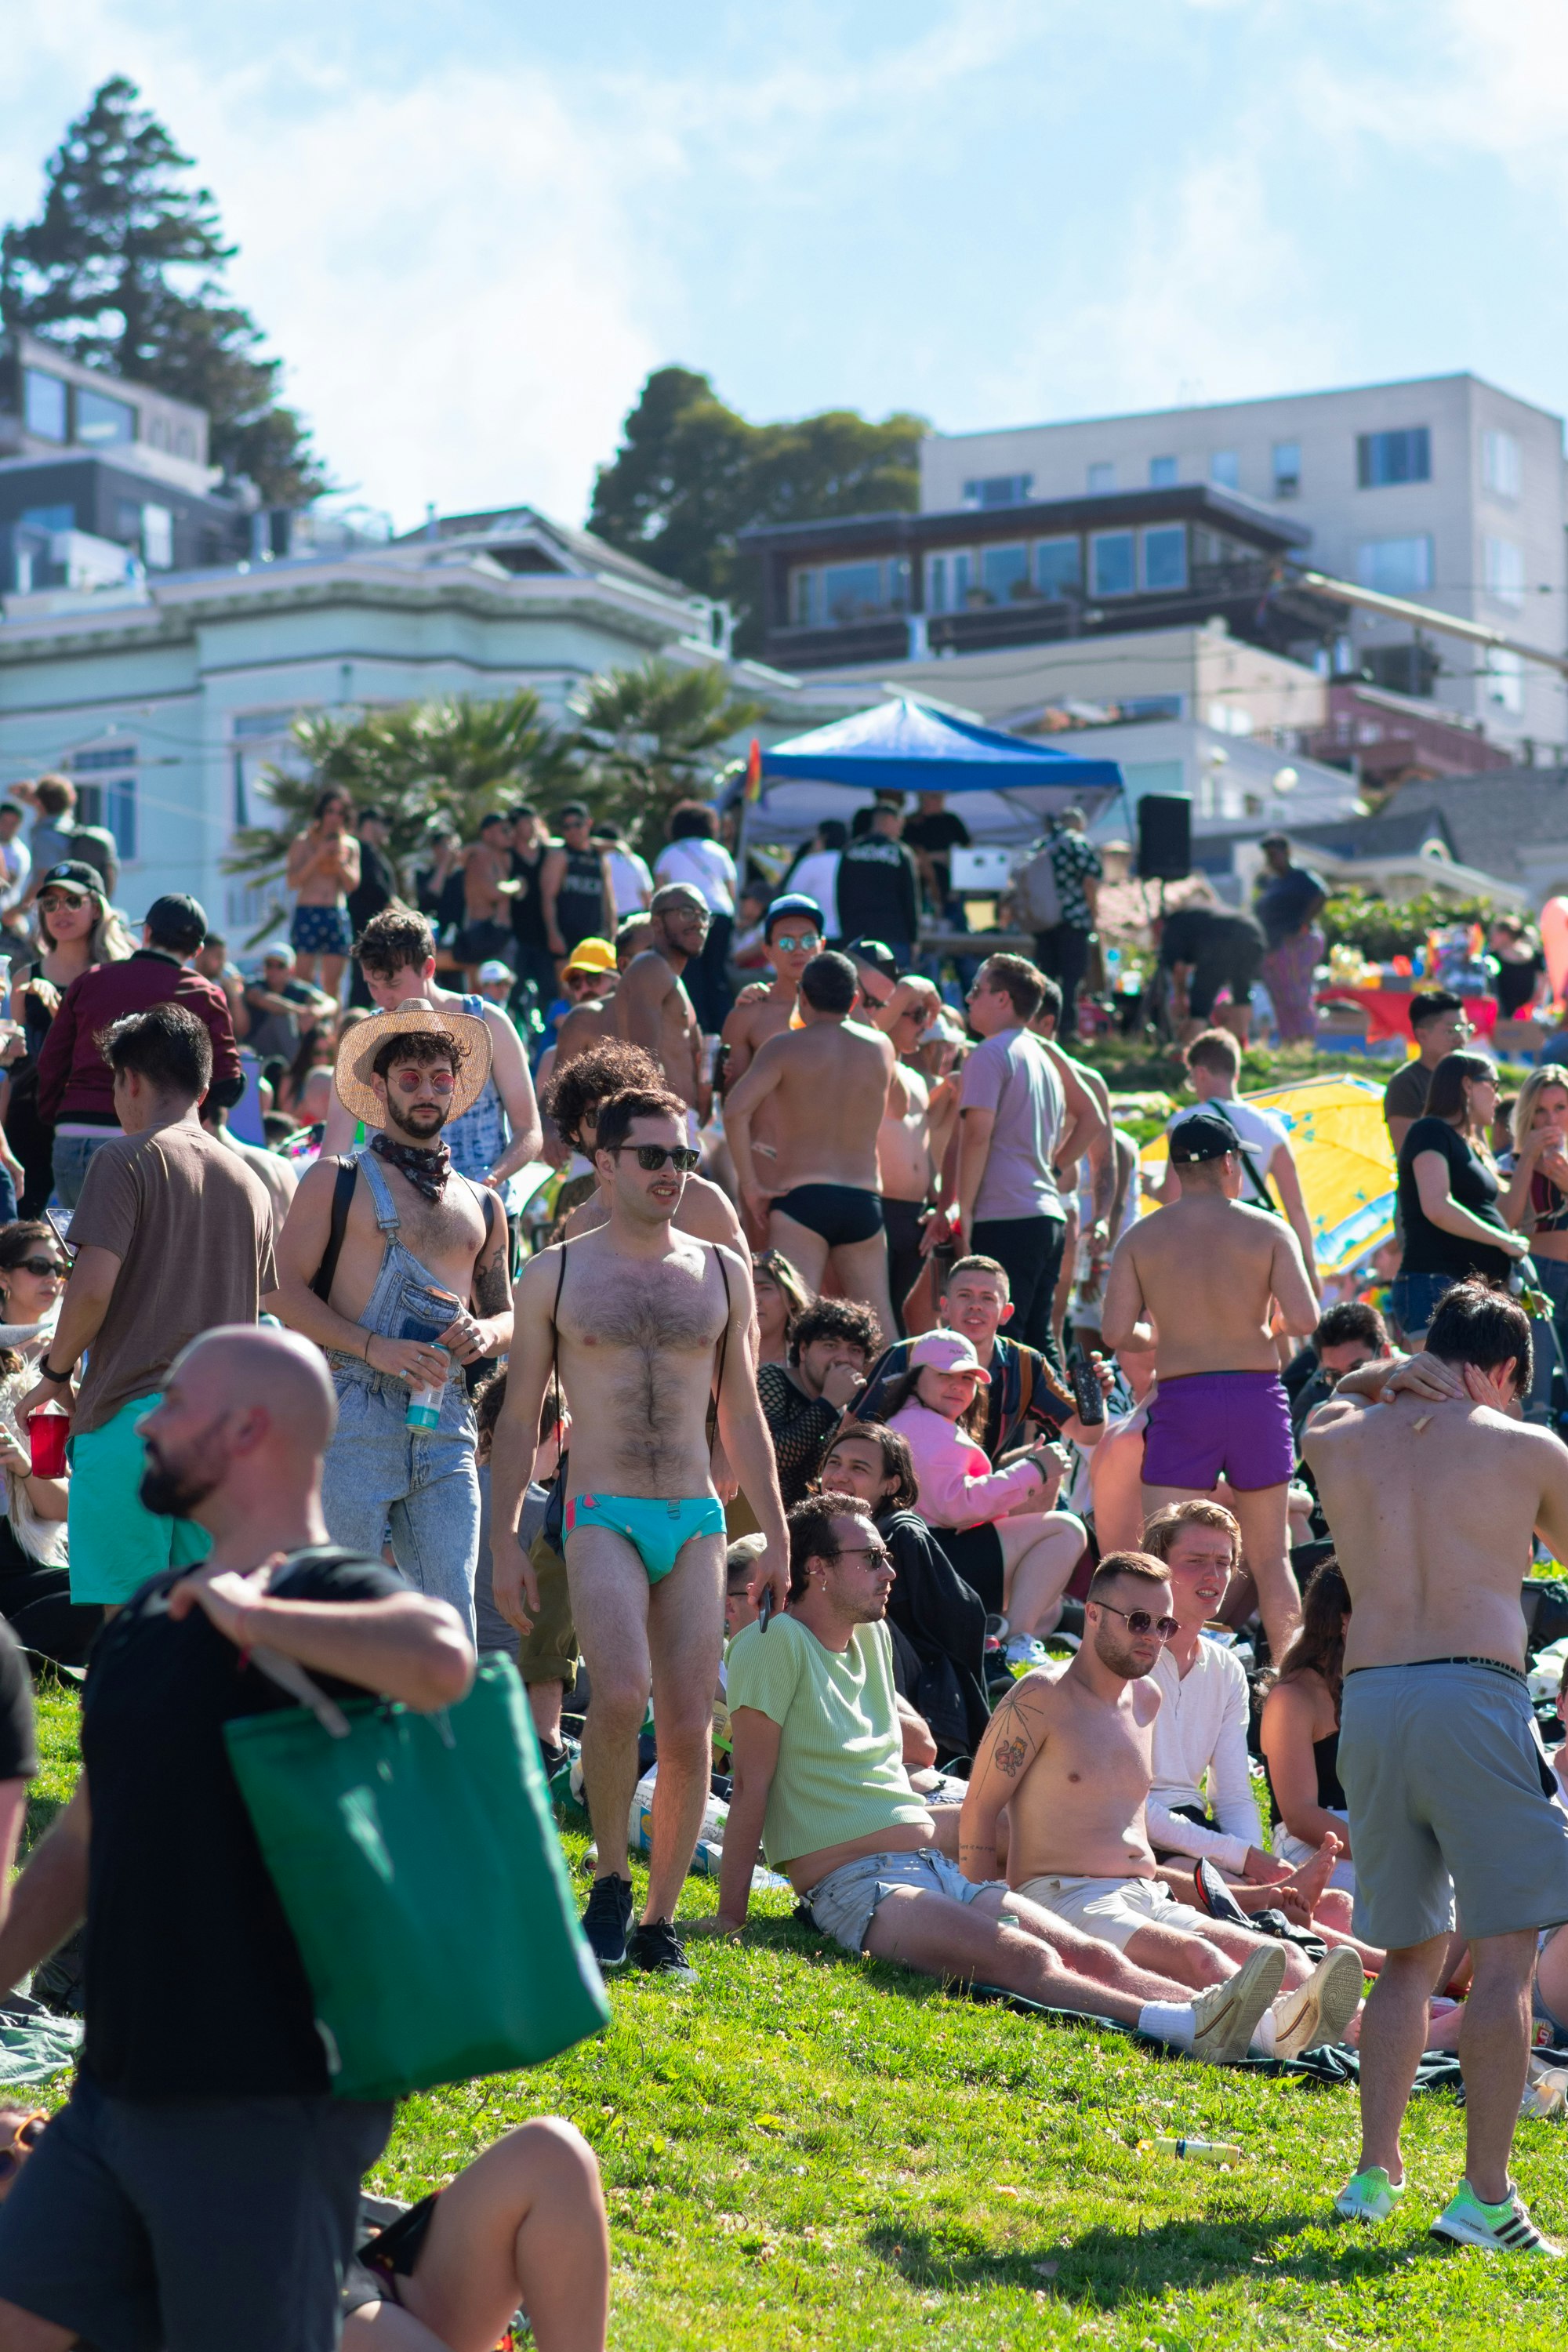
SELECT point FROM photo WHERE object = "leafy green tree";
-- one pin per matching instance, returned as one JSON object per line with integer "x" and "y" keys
{"x": 647, "y": 738}
{"x": 692, "y": 474}
{"x": 456, "y": 757}
{"x": 123, "y": 267}
{"x": 1385, "y": 928}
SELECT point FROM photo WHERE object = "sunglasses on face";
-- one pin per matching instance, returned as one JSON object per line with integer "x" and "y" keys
{"x": 41, "y": 1266}
{"x": 1138, "y": 1620}
{"x": 51, "y": 904}
{"x": 682, "y": 1156}
{"x": 876, "y": 1556}
{"x": 807, "y": 944}
{"x": 440, "y": 1082}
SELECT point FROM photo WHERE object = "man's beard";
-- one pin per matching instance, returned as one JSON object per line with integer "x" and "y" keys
{"x": 422, "y": 1137}
{"x": 169, "y": 1493}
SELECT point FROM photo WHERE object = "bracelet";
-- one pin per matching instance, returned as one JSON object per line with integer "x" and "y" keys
{"x": 368, "y": 1337}
{"x": 55, "y": 1380}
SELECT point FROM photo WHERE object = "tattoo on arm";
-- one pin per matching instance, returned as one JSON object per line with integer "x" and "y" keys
{"x": 491, "y": 1286}
{"x": 1015, "y": 1730}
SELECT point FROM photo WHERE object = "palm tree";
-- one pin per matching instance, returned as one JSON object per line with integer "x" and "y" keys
{"x": 647, "y": 735}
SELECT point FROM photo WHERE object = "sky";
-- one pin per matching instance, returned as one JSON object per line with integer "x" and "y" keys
{"x": 470, "y": 231}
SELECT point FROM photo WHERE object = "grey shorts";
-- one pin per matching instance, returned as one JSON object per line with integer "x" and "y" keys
{"x": 1449, "y": 1791}
{"x": 198, "y": 2222}
{"x": 843, "y": 1904}
{"x": 1114, "y": 1909}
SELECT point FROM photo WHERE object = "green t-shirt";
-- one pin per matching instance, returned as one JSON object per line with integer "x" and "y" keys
{"x": 841, "y": 1770}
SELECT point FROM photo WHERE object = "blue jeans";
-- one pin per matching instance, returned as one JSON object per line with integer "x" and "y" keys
{"x": 421, "y": 1482}
{"x": 1549, "y": 1340}
{"x": 72, "y": 1153}
{"x": 1414, "y": 1301}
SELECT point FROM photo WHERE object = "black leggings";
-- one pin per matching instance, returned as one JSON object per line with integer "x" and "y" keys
{"x": 35, "y": 1602}
{"x": 902, "y": 1220}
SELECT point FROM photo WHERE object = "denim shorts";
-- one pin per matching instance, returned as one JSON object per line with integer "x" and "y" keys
{"x": 843, "y": 1904}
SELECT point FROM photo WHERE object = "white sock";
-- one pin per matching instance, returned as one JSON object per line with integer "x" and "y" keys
{"x": 1174, "y": 2021}
{"x": 1264, "y": 2033}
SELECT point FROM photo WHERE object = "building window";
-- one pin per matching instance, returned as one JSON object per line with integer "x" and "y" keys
{"x": 1224, "y": 470}
{"x": 1287, "y": 470}
{"x": 999, "y": 491}
{"x": 805, "y": 599}
{"x": 1500, "y": 469}
{"x": 850, "y": 590}
{"x": 1102, "y": 479}
{"x": 1004, "y": 573}
{"x": 100, "y": 421}
{"x": 157, "y": 539}
{"x": 1165, "y": 557}
{"x": 1504, "y": 676}
{"x": 105, "y": 780}
{"x": 1382, "y": 458}
{"x": 49, "y": 519}
{"x": 1396, "y": 567}
{"x": 949, "y": 579}
{"x": 1161, "y": 473}
{"x": 43, "y": 404}
{"x": 1503, "y": 562}
{"x": 1111, "y": 563}
{"x": 1058, "y": 568}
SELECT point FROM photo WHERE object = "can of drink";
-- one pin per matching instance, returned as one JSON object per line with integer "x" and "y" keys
{"x": 425, "y": 1405}
{"x": 48, "y": 1428}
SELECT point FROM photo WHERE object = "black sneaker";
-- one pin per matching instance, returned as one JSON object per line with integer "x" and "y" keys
{"x": 607, "y": 1920}
{"x": 657, "y": 1948}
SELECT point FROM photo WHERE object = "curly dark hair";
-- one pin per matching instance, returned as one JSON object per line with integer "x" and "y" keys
{"x": 835, "y": 1318}
{"x": 897, "y": 1461}
{"x": 574, "y": 1093}
{"x": 811, "y": 1533}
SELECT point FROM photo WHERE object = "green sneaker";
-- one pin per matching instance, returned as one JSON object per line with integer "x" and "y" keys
{"x": 1369, "y": 2196}
{"x": 1505, "y": 2229}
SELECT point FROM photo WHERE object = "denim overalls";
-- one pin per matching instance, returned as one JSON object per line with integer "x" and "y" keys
{"x": 422, "y": 1481}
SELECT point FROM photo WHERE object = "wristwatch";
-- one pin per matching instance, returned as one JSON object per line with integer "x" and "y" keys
{"x": 55, "y": 1380}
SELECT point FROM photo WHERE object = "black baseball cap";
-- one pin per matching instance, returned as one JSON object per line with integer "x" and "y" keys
{"x": 73, "y": 874}
{"x": 1204, "y": 1135}
{"x": 793, "y": 906}
{"x": 177, "y": 921}
{"x": 877, "y": 954}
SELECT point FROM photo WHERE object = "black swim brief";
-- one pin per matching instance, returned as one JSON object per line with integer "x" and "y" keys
{"x": 839, "y": 1214}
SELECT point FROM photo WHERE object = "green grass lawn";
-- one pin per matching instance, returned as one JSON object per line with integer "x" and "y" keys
{"x": 806, "y": 2151}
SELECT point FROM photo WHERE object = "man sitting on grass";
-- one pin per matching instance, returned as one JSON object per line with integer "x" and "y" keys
{"x": 1070, "y": 1759}
{"x": 819, "y": 1780}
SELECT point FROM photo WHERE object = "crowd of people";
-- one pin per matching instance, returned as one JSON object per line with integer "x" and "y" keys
{"x": 788, "y": 1361}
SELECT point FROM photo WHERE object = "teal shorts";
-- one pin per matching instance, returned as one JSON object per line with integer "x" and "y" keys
{"x": 655, "y": 1528}
{"x": 116, "y": 1543}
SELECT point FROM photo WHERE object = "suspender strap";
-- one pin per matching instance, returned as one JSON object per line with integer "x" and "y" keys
{"x": 723, "y": 1344}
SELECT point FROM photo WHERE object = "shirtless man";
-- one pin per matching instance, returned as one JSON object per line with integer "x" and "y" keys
{"x": 913, "y": 1140}
{"x": 489, "y": 890}
{"x": 1070, "y": 1759}
{"x": 396, "y": 952}
{"x": 644, "y": 1324}
{"x": 832, "y": 1080}
{"x": 322, "y": 867}
{"x": 1433, "y": 1496}
{"x": 420, "y": 1286}
{"x": 1214, "y": 1279}
{"x": 571, "y": 1098}
{"x": 792, "y": 934}
{"x": 652, "y": 1008}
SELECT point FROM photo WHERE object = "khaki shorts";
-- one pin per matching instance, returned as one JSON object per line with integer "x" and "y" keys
{"x": 1113, "y": 1909}
{"x": 549, "y": 1655}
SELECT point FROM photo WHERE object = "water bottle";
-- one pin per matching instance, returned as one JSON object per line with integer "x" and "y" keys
{"x": 425, "y": 1405}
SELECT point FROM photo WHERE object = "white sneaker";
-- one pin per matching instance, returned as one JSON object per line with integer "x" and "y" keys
{"x": 1225, "y": 2016}
{"x": 1023, "y": 1650}
{"x": 1319, "y": 2010}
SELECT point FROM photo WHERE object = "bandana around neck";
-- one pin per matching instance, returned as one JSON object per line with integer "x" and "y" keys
{"x": 426, "y": 1171}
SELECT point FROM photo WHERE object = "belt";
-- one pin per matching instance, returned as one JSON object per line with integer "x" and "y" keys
{"x": 1492, "y": 1665}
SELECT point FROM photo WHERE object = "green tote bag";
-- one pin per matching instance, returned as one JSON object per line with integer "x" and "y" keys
{"x": 417, "y": 1862}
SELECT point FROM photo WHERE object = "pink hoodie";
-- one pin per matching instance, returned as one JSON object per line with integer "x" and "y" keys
{"x": 958, "y": 1487}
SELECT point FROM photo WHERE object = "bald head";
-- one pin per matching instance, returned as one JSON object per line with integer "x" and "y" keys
{"x": 242, "y": 1367}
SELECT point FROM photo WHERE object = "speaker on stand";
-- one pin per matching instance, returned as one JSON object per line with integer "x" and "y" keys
{"x": 1164, "y": 837}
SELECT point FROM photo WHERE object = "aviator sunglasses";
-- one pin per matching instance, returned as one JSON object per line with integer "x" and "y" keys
{"x": 807, "y": 944}
{"x": 1140, "y": 1621}
{"x": 682, "y": 1156}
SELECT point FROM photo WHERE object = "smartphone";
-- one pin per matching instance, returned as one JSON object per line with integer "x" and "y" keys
{"x": 1088, "y": 1395}
{"x": 765, "y": 1608}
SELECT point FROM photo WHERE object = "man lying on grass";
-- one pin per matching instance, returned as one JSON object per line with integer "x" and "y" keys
{"x": 819, "y": 1782}
{"x": 1069, "y": 1759}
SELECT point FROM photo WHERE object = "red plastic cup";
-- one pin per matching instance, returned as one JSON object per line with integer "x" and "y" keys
{"x": 48, "y": 1428}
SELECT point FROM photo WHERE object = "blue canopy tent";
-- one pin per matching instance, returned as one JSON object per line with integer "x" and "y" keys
{"x": 1008, "y": 784}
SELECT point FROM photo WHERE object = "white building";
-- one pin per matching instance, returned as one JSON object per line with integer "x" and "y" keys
{"x": 165, "y": 700}
{"x": 1443, "y": 489}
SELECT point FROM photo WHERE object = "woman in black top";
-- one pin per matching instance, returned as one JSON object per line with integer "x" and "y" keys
{"x": 1299, "y": 1733}
{"x": 1448, "y": 1194}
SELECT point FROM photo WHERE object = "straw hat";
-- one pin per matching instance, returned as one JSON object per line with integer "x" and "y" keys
{"x": 363, "y": 1042}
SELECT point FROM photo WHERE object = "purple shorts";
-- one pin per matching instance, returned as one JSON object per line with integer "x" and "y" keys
{"x": 1208, "y": 1421}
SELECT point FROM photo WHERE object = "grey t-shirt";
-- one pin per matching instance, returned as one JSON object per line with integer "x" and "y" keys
{"x": 1013, "y": 1077}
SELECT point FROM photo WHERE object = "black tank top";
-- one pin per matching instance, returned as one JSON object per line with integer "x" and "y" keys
{"x": 528, "y": 907}
{"x": 1331, "y": 1796}
{"x": 580, "y": 901}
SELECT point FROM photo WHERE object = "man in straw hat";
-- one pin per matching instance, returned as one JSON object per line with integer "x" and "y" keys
{"x": 418, "y": 1284}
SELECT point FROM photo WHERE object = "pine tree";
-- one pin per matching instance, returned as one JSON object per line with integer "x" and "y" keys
{"x": 123, "y": 267}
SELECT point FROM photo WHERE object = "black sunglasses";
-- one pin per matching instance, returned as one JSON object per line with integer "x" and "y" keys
{"x": 682, "y": 1156}
{"x": 39, "y": 1266}
{"x": 1140, "y": 1621}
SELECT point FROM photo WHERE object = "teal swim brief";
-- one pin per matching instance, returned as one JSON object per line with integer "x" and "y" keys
{"x": 654, "y": 1528}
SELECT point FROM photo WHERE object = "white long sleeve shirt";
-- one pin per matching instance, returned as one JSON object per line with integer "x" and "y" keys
{"x": 1201, "y": 1729}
